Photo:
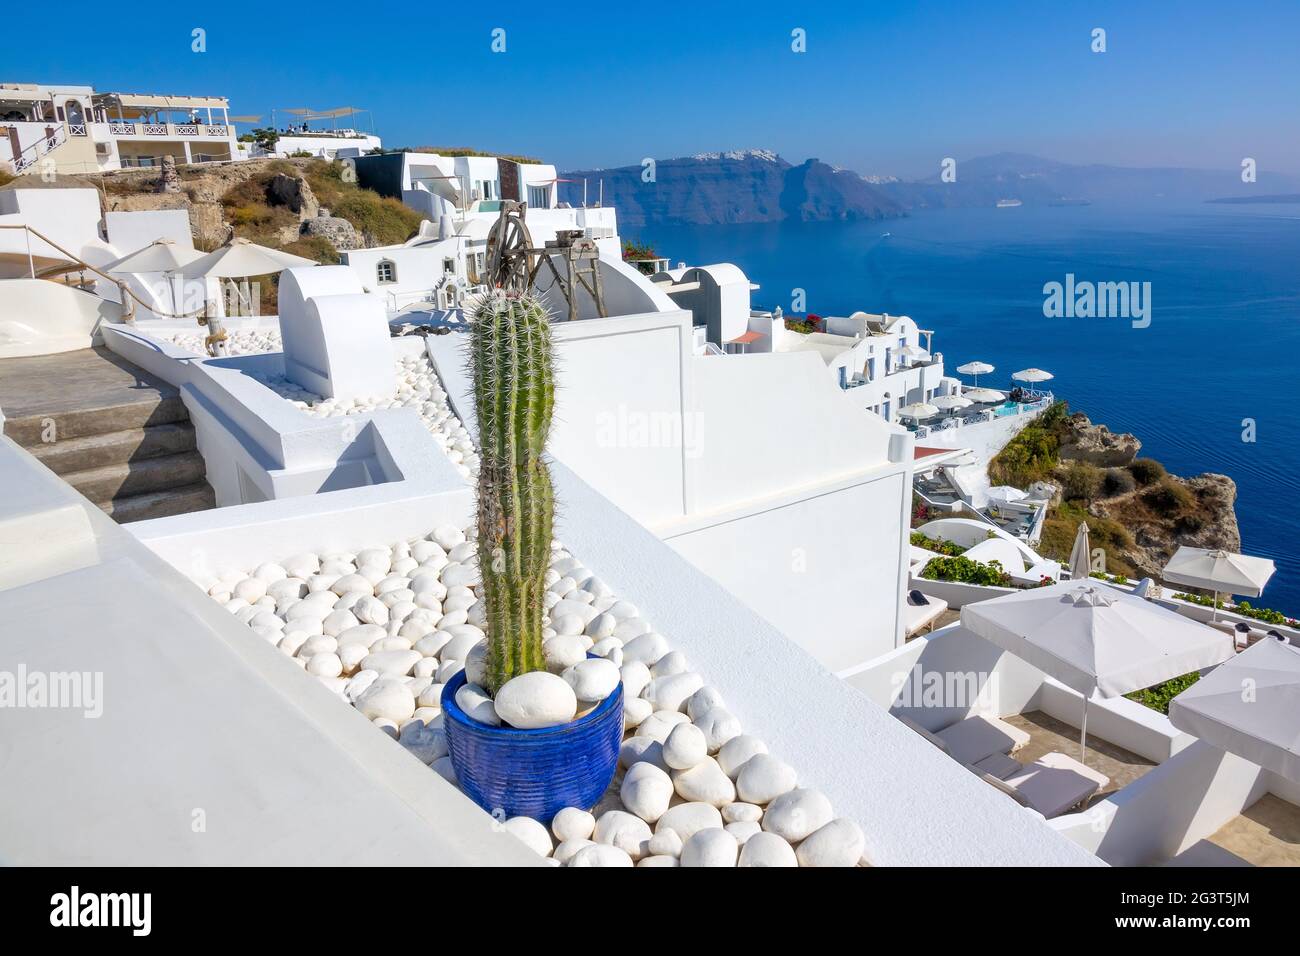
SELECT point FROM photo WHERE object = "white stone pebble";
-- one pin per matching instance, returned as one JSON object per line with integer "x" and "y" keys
{"x": 838, "y": 843}
{"x": 711, "y": 847}
{"x": 573, "y": 823}
{"x": 533, "y": 834}
{"x": 795, "y": 815}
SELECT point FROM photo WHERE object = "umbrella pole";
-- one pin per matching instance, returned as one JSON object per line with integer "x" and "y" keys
{"x": 1083, "y": 735}
{"x": 1214, "y": 608}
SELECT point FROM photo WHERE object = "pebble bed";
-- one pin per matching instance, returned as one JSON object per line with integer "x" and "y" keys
{"x": 385, "y": 628}
{"x": 241, "y": 342}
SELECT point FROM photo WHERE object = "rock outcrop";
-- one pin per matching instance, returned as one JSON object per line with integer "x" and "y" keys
{"x": 1097, "y": 444}
{"x": 169, "y": 181}
{"x": 294, "y": 192}
{"x": 341, "y": 233}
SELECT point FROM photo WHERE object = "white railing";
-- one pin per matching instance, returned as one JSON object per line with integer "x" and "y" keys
{"x": 77, "y": 129}
{"x": 121, "y": 129}
{"x": 187, "y": 129}
{"x": 36, "y": 150}
{"x": 215, "y": 130}
{"x": 155, "y": 129}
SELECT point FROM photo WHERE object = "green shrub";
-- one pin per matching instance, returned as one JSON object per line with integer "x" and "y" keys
{"x": 1168, "y": 498}
{"x": 1034, "y": 453}
{"x": 933, "y": 544}
{"x": 1118, "y": 481}
{"x": 315, "y": 247}
{"x": 1146, "y": 470}
{"x": 1159, "y": 696}
{"x": 1265, "y": 614}
{"x": 1081, "y": 481}
{"x": 966, "y": 571}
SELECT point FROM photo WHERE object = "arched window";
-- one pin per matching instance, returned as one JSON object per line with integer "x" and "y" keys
{"x": 386, "y": 272}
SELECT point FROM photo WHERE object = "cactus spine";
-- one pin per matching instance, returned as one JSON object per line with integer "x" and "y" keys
{"x": 514, "y": 391}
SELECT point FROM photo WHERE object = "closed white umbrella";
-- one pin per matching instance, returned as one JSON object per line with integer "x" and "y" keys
{"x": 1095, "y": 638}
{"x": 1081, "y": 554}
{"x": 1005, "y": 494}
{"x": 1223, "y": 572}
{"x": 918, "y": 410}
{"x": 1032, "y": 375}
{"x": 984, "y": 395}
{"x": 914, "y": 353}
{"x": 949, "y": 402}
{"x": 976, "y": 369}
{"x": 1250, "y": 707}
{"x": 241, "y": 258}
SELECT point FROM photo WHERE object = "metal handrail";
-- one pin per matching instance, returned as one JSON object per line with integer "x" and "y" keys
{"x": 47, "y": 143}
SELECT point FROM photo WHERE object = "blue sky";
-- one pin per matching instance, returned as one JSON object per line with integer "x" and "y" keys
{"x": 883, "y": 87}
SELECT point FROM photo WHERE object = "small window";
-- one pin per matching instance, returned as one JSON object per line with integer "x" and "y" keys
{"x": 449, "y": 264}
{"x": 539, "y": 197}
{"x": 386, "y": 272}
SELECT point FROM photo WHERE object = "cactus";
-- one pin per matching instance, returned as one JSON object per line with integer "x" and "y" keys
{"x": 514, "y": 390}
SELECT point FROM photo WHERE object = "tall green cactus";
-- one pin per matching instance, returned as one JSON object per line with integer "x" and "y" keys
{"x": 514, "y": 393}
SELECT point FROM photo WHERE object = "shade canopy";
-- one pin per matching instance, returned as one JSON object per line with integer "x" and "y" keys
{"x": 1081, "y": 553}
{"x": 984, "y": 395}
{"x": 161, "y": 255}
{"x": 1004, "y": 494}
{"x": 918, "y": 410}
{"x": 241, "y": 258}
{"x": 975, "y": 368}
{"x": 913, "y": 352}
{"x": 1250, "y": 707}
{"x": 1032, "y": 375}
{"x": 1220, "y": 571}
{"x": 948, "y": 402}
{"x": 1093, "y": 637}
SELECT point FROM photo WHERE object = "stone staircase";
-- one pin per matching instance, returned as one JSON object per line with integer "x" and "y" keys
{"x": 120, "y": 437}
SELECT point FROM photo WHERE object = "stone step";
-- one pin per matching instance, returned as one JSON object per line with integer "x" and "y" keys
{"x": 114, "y": 448}
{"x": 160, "y": 504}
{"x": 32, "y": 431}
{"x": 138, "y": 477}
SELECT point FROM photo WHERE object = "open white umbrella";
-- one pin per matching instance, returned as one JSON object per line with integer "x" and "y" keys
{"x": 241, "y": 258}
{"x": 984, "y": 395}
{"x": 1005, "y": 494}
{"x": 913, "y": 353}
{"x": 918, "y": 410}
{"x": 976, "y": 369}
{"x": 1222, "y": 572}
{"x": 1250, "y": 707}
{"x": 1081, "y": 554}
{"x": 1032, "y": 375}
{"x": 950, "y": 402}
{"x": 161, "y": 255}
{"x": 1095, "y": 638}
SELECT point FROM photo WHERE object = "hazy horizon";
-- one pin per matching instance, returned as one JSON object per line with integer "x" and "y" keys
{"x": 879, "y": 90}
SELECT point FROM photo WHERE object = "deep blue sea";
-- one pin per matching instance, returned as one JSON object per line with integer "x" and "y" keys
{"x": 1223, "y": 344}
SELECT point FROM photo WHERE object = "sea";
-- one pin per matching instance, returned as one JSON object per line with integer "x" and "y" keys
{"x": 1209, "y": 379}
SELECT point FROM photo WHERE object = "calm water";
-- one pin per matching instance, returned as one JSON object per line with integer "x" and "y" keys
{"x": 1223, "y": 344}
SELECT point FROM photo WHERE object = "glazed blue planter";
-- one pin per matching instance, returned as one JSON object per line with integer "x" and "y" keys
{"x": 533, "y": 773}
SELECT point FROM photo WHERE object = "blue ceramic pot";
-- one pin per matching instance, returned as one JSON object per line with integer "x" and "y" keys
{"x": 534, "y": 773}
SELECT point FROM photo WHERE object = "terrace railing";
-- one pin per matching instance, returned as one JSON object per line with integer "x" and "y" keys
{"x": 24, "y": 160}
{"x": 156, "y": 129}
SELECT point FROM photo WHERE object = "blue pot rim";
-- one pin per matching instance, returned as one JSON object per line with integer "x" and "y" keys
{"x": 452, "y": 711}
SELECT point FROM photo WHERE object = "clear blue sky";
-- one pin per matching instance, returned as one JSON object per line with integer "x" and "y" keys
{"x": 883, "y": 87}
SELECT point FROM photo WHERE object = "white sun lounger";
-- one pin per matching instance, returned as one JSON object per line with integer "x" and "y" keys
{"x": 1054, "y": 783}
{"x": 974, "y": 739}
{"x": 917, "y": 616}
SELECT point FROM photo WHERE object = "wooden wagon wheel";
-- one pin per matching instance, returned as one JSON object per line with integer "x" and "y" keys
{"x": 510, "y": 250}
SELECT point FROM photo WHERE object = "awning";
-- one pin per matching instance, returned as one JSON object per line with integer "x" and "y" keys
{"x": 747, "y": 339}
{"x": 338, "y": 111}
{"x": 150, "y": 101}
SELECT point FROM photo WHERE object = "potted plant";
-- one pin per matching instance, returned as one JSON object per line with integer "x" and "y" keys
{"x": 527, "y": 754}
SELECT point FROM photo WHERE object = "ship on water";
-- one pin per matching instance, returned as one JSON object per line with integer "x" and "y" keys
{"x": 1008, "y": 203}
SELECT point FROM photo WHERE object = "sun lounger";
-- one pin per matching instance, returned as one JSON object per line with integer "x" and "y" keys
{"x": 976, "y": 738}
{"x": 918, "y": 614}
{"x": 1054, "y": 783}
{"x": 1000, "y": 766}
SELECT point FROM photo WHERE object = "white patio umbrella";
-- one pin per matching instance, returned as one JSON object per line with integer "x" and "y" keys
{"x": 241, "y": 258}
{"x": 918, "y": 410}
{"x": 984, "y": 395}
{"x": 950, "y": 402}
{"x": 1005, "y": 494}
{"x": 1032, "y": 375}
{"x": 913, "y": 353}
{"x": 1250, "y": 707}
{"x": 1081, "y": 554}
{"x": 976, "y": 369}
{"x": 1222, "y": 572}
{"x": 161, "y": 255}
{"x": 1095, "y": 638}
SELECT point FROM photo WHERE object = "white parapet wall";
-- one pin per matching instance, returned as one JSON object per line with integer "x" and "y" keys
{"x": 190, "y": 741}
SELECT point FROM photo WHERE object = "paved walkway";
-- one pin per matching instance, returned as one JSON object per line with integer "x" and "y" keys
{"x": 49, "y": 385}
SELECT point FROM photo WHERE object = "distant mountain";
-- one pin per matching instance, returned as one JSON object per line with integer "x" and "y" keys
{"x": 1261, "y": 200}
{"x": 759, "y": 186}
{"x": 732, "y": 187}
